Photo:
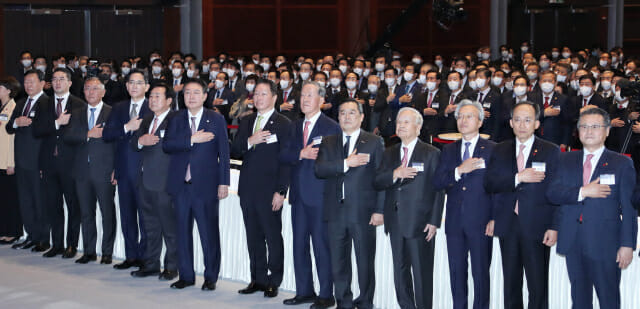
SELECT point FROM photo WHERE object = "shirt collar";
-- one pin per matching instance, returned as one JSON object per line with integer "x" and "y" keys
{"x": 596, "y": 154}
{"x": 137, "y": 102}
{"x": 314, "y": 118}
{"x": 37, "y": 96}
{"x": 268, "y": 114}
{"x": 198, "y": 114}
{"x": 528, "y": 144}
{"x": 353, "y": 136}
{"x": 63, "y": 97}
{"x": 473, "y": 141}
{"x": 411, "y": 144}
{"x": 163, "y": 115}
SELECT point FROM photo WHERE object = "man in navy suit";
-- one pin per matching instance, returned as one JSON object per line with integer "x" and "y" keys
{"x": 597, "y": 223}
{"x": 555, "y": 118}
{"x": 305, "y": 135}
{"x": 221, "y": 97}
{"x": 491, "y": 101}
{"x": 262, "y": 188}
{"x": 196, "y": 139}
{"x": 461, "y": 173}
{"x": 123, "y": 122}
{"x": 518, "y": 174}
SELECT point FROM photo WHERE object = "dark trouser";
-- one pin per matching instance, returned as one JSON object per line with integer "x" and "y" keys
{"x": 159, "y": 222}
{"x": 308, "y": 225}
{"x": 363, "y": 236}
{"x": 57, "y": 183}
{"x": 31, "y": 208}
{"x": 585, "y": 273}
{"x": 188, "y": 206}
{"x": 89, "y": 191}
{"x": 519, "y": 252}
{"x": 264, "y": 234}
{"x": 459, "y": 245}
{"x": 10, "y": 222}
{"x": 134, "y": 239}
{"x": 413, "y": 256}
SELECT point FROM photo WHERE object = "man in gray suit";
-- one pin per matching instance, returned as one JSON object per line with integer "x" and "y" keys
{"x": 155, "y": 202}
{"x": 352, "y": 206}
{"x": 412, "y": 209}
{"x": 93, "y": 171}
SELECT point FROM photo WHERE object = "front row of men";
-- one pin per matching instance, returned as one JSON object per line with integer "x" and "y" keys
{"x": 342, "y": 184}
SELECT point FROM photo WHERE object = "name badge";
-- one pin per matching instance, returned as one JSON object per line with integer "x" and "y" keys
{"x": 32, "y": 114}
{"x": 161, "y": 133}
{"x": 556, "y": 107}
{"x": 225, "y": 102}
{"x": 539, "y": 166}
{"x": 4, "y": 117}
{"x": 317, "y": 140}
{"x": 608, "y": 179}
{"x": 419, "y": 166}
{"x": 435, "y": 105}
{"x": 486, "y": 105}
{"x": 292, "y": 102}
{"x": 481, "y": 164}
{"x": 272, "y": 139}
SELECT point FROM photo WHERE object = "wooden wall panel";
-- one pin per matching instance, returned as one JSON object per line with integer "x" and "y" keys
{"x": 243, "y": 30}
{"x": 171, "y": 33}
{"x": 304, "y": 29}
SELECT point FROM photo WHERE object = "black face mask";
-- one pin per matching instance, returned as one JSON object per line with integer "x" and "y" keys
{"x": 104, "y": 77}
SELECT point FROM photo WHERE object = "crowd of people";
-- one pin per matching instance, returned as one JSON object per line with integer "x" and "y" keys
{"x": 528, "y": 147}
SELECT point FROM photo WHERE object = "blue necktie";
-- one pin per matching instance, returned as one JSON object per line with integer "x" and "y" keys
{"x": 92, "y": 118}
{"x": 465, "y": 155}
{"x": 406, "y": 90}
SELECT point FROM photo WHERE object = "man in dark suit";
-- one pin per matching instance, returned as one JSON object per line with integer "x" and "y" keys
{"x": 456, "y": 94}
{"x": 491, "y": 101}
{"x": 518, "y": 174}
{"x": 388, "y": 100}
{"x": 336, "y": 93}
{"x": 598, "y": 225}
{"x": 27, "y": 156}
{"x": 57, "y": 158}
{"x": 196, "y": 139}
{"x": 122, "y": 124}
{"x": 306, "y": 199}
{"x": 262, "y": 188}
{"x": 412, "y": 210}
{"x": 555, "y": 117}
{"x": 352, "y": 207}
{"x": 288, "y": 97}
{"x": 155, "y": 204}
{"x": 221, "y": 97}
{"x": 93, "y": 171}
{"x": 461, "y": 173}
{"x": 431, "y": 103}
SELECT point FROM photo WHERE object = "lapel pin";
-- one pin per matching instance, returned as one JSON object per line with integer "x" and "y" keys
{"x": 605, "y": 164}
{"x": 270, "y": 122}
{"x": 207, "y": 120}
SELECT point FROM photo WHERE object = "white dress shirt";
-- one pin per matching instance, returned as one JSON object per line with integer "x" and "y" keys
{"x": 472, "y": 147}
{"x": 312, "y": 124}
{"x": 198, "y": 116}
{"x": 138, "y": 108}
{"x": 96, "y": 113}
{"x": 265, "y": 117}
{"x": 594, "y": 161}
{"x": 525, "y": 153}
{"x": 65, "y": 99}
{"x": 160, "y": 120}
{"x": 352, "y": 142}
{"x": 411, "y": 146}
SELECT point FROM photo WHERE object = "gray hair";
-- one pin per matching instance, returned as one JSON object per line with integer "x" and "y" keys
{"x": 321, "y": 90}
{"x": 94, "y": 79}
{"x": 475, "y": 104}
{"x": 415, "y": 112}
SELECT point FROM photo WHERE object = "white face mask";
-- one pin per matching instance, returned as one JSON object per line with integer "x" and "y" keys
{"x": 372, "y": 88}
{"x": 213, "y": 74}
{"x": 343, "y": 69}
{"x": 62, "y": 65}
{"x": 544, "y": 65}
{"x": 156, "y": 70}
{"x": 326, "y": 73}
{"x": 125, "y": 70}
{"x": 519, "y": 90}
{"x": 485, "y": 56}
{"x": 453, "y": 85}
{"x": 114, "y": 77}
{"x": 358, "y": 71}
{"x": 595, "y": 74}
{"x": 351, "y": 84}
{"x": 265, "y": 66}
{"x": 304, "y": 75}
{"x": 509, "y": 85}
{"x": 628, "y": 72}
{"x": 335, "y": 82}
{"x": 176, "y": 72}
{"x": 506, "y": 71}
{"x": 561, "y": 78}
{"x": 390, "y": 81}
{"x": 614, "y": 59}
{"x": 472, "y": 84}
{"x": 585, "y": 91}
{"x": 481, "y": 82}
{"x": 496, "y": 81}
{"x": 379, "y": 67}
{"x": 505, "y": 53}
{"x": 575, "y": 84}
{"x": 231, "y": 73}
{"x": 321, "y": 83}
{"x": 555, "y": 54}
{"x": 205, "y": 69}
{"x": 41, "y": 68}
{"x": 438, "y": 63}
{"x": 318, "y": 67}
{"x": 574, "y": 66}
{"x": 284, "y": 84}
{"x": 408, "y": 76}
{"x": 619, "y": 97}
{"x": 83, "y": 68}
{"x": 416, "y": 60}
{"x": 422, "y": 79}
{"x": 431, "y": 86}
{"x": 532, "y": 75}
{"x": 546, "y": 87}
{"x": 461, "y": 71}
{"x": 278, "y": 63}
{"x": 250, "y": 87}
{"x": 606, "y": 85}
{"x": 366, "y": 72}
{"x": 524, "y": 49}
{"x": 26, "y": 63}
{"x": 479, "y": 54}
{"x": 190, "y": 73}
{"x": 566, "y": 55}
{"x": 219, "y": 84}
{"x": 603, "y": 63}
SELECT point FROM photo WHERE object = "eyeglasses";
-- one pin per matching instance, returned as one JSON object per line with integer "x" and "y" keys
{"x": 136, "y": 83}
{"x": 592, "y": 127}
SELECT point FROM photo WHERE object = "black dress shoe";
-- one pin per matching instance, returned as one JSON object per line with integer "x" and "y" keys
{"x": 127, "y": 264}
{"x": 168, "y": 275}
{"x": 208, "y": 285}
{"x": 181, "y": 284}
{"x": 53, "y": 252}
{"x": 86, "y": 258}
{"x": 141, "y": 273}
{"x": 69, "y": 253}
{"x": 300, "y": 300}
{"x": 252, "y": 288}
{"x": 106, "y": 259}
{"x": 271, "y": 291}
{"x": 323, "y": 303}
{"x": 19, "y": 244}
{"x": 41, "y": 247}
{"x": 25, "y": 245}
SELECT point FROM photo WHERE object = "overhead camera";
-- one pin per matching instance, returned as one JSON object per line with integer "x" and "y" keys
{"x": 445, "y": 13}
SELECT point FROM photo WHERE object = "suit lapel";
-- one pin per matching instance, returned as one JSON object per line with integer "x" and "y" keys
{"x": 532, "y": 153}
{"x": 603, "y": 161}
{"x": 203, "y": 120}
{"x": 458, "y": 150}
{"x": 269, "y": 122}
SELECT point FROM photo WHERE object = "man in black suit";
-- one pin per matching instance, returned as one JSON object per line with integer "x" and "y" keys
{"x": 57, "y": 157}
{"x": 554, "y": 119}
{"x": 289, "y": 97}
{"x": 262, "y": 187}
{"x": 412, "y": 210}
{"x": 431, "y": 103}
{"x": 221, "y": 97}
{"x": 27, "y": 155}
{"x": 155, "y": 203}
{"x": 456, "y": 94}
{"x": 519, "y": 173}
{"x": 491, "y": 101}
{"x": 352, "y": 206}
{"x": 93, "y": 171}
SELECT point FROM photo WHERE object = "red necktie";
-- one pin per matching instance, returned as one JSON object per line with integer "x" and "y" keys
{"x": 430, "y": 99}
{"x": 452, "y": 100}
{"x": 586, "y": 173}
{"x": 27, "y": 108}
{"x": 405, "y": 157}
{"x": 305, "y": 133}
{"x": 155, "y": 126}
{"x": 285, "y": 96}
{"x": 530, "y": 87}
{"x": 59, "y": 107}
{"x": 585, "y": 103}
{"x": 546, "y": 102}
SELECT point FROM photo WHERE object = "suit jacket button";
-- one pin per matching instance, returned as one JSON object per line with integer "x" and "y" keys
{"x": 399, "y": 189}
{"x": 464, "y": 188}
